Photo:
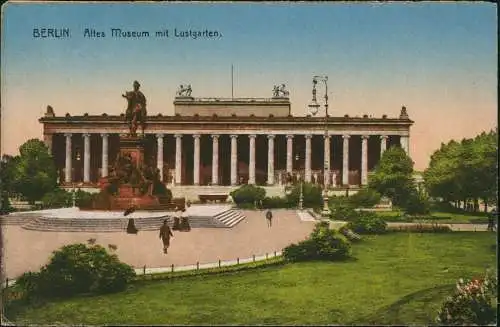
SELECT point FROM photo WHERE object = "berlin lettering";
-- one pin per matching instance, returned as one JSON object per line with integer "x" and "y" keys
{"x": 92, "y": 33}
{"x": 53, "y": 33}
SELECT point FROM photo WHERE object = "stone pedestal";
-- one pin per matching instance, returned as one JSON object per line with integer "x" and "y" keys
{"x": 133, "y": 146}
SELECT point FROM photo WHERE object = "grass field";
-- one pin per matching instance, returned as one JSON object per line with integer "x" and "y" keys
{"x": 393, "y": 279}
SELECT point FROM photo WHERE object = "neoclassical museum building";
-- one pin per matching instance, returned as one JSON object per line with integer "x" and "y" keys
{"x": 213, "y": 145}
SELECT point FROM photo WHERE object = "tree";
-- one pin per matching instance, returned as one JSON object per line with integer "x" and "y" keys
{"x": 311, "y": 193}
{"x": 465, "y": 171}
{"x": 34, "y": 173}
{"x": 441, "y": 178}
{"x": 6, "y": 171}
{"x": 393, "y": 176}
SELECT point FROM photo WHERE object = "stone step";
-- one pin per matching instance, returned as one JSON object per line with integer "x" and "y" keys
{"x": 118, "y": 224}
{"x": 229, "y": 218}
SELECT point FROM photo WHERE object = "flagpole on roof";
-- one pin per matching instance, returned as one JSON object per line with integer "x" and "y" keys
{"x": 232, "y": 82}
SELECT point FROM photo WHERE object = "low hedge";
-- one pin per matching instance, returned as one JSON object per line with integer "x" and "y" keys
{"x": 272, "y": 261}
{"x": 367, "y": 222}
{"x": 421, "y": 228}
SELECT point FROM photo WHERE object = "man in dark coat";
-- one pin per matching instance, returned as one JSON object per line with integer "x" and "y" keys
{"x": 269, "y": 218}
{"x": 165, "y": 235}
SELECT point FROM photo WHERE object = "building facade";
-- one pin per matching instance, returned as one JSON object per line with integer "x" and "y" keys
{"x": 215, "y": 142}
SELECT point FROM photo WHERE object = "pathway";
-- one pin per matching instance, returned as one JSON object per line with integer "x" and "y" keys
{"x": 26, "y": 250}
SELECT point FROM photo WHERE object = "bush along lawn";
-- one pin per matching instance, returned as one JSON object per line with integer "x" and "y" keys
{"x": 393, "y": 278}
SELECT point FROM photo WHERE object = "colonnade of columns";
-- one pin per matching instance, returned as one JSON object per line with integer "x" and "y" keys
{"x": 234, "y": 157}
{"x": 270, "y": 166}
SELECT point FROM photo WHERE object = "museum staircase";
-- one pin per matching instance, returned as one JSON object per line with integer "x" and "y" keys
{"x": 224, "y": 219}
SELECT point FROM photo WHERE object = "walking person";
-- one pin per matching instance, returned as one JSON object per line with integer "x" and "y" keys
{"x": 165, "y": 235}
{"x": 269, "y": 218}
{"x": 491, "y": 219}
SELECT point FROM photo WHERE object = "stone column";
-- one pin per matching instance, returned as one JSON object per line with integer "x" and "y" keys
{"x": 86, "y": 159}
{"x": 308, "y": 158}
{"x": 47, "y": 139}
{"x": 327, "y": 160}
{"x": 178, "y": 158}
{"x": 364, "y": 159}
{"x": 69, "y": 159}
{"x": 289, "y": 153}
{"x": 345, "y": 160}
{"x": 383, "y": 144}
{"x": 405, "y": 143}
{"x": 196, "y": 160}
{"x": 159, "y": 154}
{"x": 215, "y": 159}
{"x": 105, "y": 151}
{"x": 251, "y": 168}
{"x": 270, "y": 159}
{"x": 234, "y": 159}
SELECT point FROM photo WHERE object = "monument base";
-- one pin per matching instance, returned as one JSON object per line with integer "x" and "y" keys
{"x": 133, "y": 146}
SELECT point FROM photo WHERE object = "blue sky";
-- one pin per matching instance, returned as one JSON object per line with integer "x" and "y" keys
{"x": 438, "y": 59}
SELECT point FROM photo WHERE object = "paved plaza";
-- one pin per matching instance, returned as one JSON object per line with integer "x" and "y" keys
{"x": 26, "y": 250}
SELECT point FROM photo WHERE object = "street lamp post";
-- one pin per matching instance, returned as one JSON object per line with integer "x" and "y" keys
{"x": 301, "y": 196}
{"x": 313, "y": 108}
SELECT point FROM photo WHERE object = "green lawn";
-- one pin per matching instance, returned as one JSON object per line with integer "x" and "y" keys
{"x": 394, "y": 279}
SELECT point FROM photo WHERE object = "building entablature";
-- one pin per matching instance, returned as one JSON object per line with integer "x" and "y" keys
{"x": 227, "y": 125}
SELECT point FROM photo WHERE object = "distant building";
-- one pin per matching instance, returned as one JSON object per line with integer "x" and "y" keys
{"x": 223, "y": 143}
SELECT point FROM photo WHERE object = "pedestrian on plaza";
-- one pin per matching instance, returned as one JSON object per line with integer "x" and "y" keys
{"x": 491, "y": 219}
{"x": 269, "y": 218}
{"x": 185, "y": 221}
{"x": 165, "y": 235}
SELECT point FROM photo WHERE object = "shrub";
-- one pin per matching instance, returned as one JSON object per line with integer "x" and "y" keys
{"x": 76, "y": 269}
{"x": 421, "y": 228}
{"x": 248, "y": 194}
{"x": 311, "y": 193}
{"x": 275, "y": 202}
{"x": 58, "y": 198}
{"x": 5, "y": 206}
{"x": 365, "y": 198}
{"x": 341, "y": 208}
{"x": 416, "y": 203}
{"x": 367, "y": 223}
{"x": 159, "y": 189}
{"x": 473, "y": 303}
{"x": 84, "y": 199}
{"x": 323, "y": 244}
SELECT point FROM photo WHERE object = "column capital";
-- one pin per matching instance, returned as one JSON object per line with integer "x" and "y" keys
{"x": 178, "y": 136}
{"x": 346, "y": 136}
{"x": 159, "y": 135}
{"x": 329, "y": 136}
{"x": 196, "y": 136}
{"x": 271, "y": 136}
{"x": 365, "y": 137}
{"x": 308, "y": 136}
{"x": 233, "y": 136}
{"x": 86, "y": 134}
{"x": 289, "y": 136}
{"x": 104, "y": 134}
{"x": 215, "y": 136}
{"x": 384, "y": 136}
{"x": 252, "y": 136}
{"x": 68, "y": 134}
